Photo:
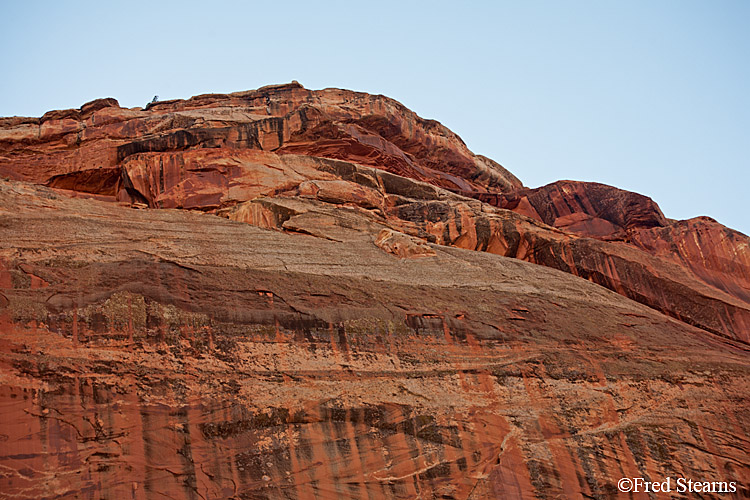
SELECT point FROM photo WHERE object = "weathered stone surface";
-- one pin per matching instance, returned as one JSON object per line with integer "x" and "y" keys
{"x": 402, "y": 245}
{"x": 333, "y": 123}
{"x": 205, "y": 153}
{"x": 658, "y": 282}
{"x": 325, "y": 306}
{"x": 442, "y": 217}
{"x": 170, "y": 353}
{"x": 589, "y": 208}
{"x": 715, "y": 254}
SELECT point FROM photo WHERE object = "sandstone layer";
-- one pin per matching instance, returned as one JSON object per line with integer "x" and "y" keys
{"x": 287, "y": 293}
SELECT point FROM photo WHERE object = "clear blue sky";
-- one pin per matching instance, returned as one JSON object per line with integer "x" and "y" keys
{"x": 650, "y": 96}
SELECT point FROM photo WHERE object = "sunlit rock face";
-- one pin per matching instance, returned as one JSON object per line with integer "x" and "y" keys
{"x": 285, "y": 293}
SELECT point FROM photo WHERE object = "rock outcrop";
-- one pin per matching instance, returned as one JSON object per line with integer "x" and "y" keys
{"x": 67, "y": 148}
{"x": 715, "y": 254}
{"x": 287, "y": 293}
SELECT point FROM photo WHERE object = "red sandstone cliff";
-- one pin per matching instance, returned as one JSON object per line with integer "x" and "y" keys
{"x": 316, "y": 301}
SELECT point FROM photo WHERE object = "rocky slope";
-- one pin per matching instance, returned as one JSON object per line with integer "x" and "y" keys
{"x": 287, "y": 293}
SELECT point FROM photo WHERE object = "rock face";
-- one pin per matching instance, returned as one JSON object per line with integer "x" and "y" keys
{"x": 78, "y": 148}
{"x": 287, "y": 293}
{"x": 584, "y": 208}
{"x": 213, "y": 152}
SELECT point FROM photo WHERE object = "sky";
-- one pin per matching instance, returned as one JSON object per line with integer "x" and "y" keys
{"x": 649, "y": 96}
